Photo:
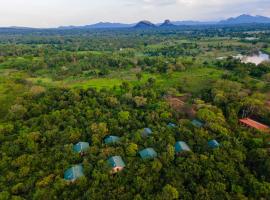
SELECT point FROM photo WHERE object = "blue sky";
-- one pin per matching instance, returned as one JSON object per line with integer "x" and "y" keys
{"x": 53, "y": 13}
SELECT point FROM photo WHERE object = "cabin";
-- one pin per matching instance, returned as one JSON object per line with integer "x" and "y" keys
{"x": 213, "y": 144}
{"x": 73, "y": 173}
{"x": 146, "y": 132}
{"x": 254, "y": 124}
{"x": 197, "y": 123}
{"x": 171, "y": 125}
{"x": 81, "y": 147}
{"x": 117, "y": 164}
{"x": 148, "y": 153}
{"x": 181, "y": 146}
{"x": 111, "y": 139}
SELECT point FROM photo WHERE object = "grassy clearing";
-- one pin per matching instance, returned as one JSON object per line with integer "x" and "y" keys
{"x": 192, "y": 80}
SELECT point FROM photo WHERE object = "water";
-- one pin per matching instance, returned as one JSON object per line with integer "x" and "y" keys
{"x": 255, "y": 58}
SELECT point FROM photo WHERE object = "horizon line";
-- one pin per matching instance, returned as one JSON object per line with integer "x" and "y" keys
{"x": 129, "y": 23}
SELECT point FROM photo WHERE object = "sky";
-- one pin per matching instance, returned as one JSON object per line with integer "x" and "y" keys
{"x": 54, "y": 13}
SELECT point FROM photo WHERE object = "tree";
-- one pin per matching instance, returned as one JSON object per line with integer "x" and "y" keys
{"x": 140, "y": 101}
{"x": 132, "y": 149}
{"x": 139, "y": 76}
{"x": 123, "y": 116}
{"x": 169, "y": 193}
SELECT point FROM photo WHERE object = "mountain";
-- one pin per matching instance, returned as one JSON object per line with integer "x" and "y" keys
{"x": 242, "y": 19}
{"x": 167, "y": 24}
{"x": 109, "y": 25}
{"x": 145, "y": 24}
{"x": 100, "y": 25}
{"x": 193, "y": 23}
{"x": 246, "y": 19}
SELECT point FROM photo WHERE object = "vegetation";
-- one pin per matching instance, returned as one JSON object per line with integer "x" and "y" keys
{"x": 58, "y": 88}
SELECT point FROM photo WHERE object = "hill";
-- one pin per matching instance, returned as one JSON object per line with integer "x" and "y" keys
{"x": 99, "y": 25}
{"x": 167, "y": 24}
{"x": 145, "y": 24}
{"x": 246, "y": 19}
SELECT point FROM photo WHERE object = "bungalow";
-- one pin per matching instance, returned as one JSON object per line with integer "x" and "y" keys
{"x": 254, "y": 124}
{"x": 181, "y": 146}
{"x": 117, "y": 164}
{"x": 197, "y": 123}
{"x": 171, "y": 125}
{"x": 148, "y": 153}
{"x": 73, "y": 173}
{"x": 213, "y": 144}
{"x": 81, "y": 147}
{"x": 146, "y": 132}
{"x": 111, "y": 139}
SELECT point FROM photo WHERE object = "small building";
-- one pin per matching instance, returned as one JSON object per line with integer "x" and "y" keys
{"x": 146, "y": 132}
{"x": 111, "y": 139}
{"x": 81, "y": 147}
{"x": 254, "y": 124}
{"x": 117, "y": 164}
{"x": 197, "y": 123}
{"x": 73, "y": 173}
{"x": 171, "y": 125}
{"x": 181, "y": 146}
{"x": 148, "y": 153}
{"x": 213, "y": 144}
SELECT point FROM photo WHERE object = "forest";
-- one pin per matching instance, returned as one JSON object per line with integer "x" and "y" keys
{"x": 177, "y": 93}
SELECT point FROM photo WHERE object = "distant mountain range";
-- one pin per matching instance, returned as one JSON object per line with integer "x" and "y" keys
{"x": 242, "y": 19}
{"x": 246, "y": 19}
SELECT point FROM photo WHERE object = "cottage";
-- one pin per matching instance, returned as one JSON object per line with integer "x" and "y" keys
{"x": 197, "y": 123}
{"x": 111, "y": 139}
{"x": 181, "y": 146}
{"x": 117, "y": 164}
{"x": 81, "y": 147}
{"x": 73, "y": 173}
{"x": 171, "y": 125}
{"x": 213, "y": 144}
{"x": 254, "y": 124}
{"x": 146, "y": 132}
{"x": 148, "y": 153}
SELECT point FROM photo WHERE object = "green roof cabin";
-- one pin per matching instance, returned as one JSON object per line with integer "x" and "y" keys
{"x": 181, "y": 146}
{"x": 117, "y": 164}
{"x": 81, "y": 147}
{"x": 213, "y": 144}
{"x": 197, "y": 123}
{"x": 148, "y": 153}
{"x": 111, "y": 139}
{"x": 146, "y": 132}
{"x": 73, "y": 173}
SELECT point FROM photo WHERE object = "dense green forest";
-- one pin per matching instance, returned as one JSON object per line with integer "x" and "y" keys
{"x": 61, "y": 87}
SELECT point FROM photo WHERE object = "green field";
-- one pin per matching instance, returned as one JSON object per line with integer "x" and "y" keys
{"x": 193, "y": 79}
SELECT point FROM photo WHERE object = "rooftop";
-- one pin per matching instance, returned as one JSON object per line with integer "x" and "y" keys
{"x": 181, "y": 146}
{"x": 148, "y": 153}
{"x": 213, "y": 144}
{"x": 147, "y": 131}
{"x": 111, "y": 139}
{"x": 171, "y": 125}
{"x": 116, "y": 161}
{"x": 73, "y": 173}
{"x": 80, "y": 147}
{"x": 254, "y": 124}
{"x": 197, "y": 123}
